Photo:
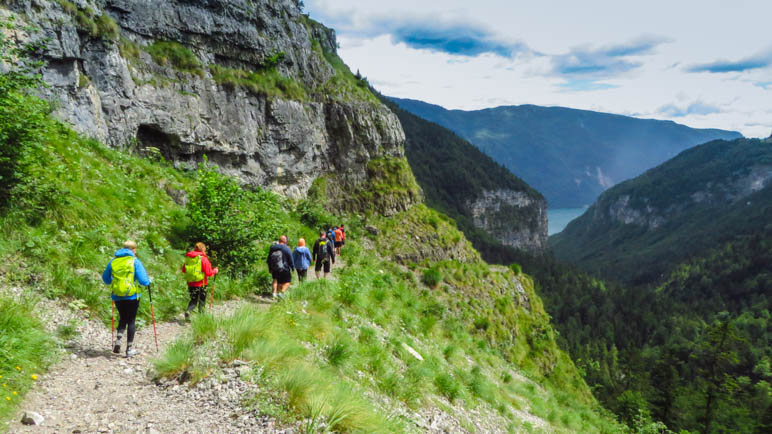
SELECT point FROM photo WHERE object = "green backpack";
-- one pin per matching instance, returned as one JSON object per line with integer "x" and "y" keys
{"x": 123, "y": 277}
{"x": 194, "y": 271}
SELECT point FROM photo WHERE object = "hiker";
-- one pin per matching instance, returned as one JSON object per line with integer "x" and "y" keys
{"x": 301, "y": 257}
{"x": 331, "y": 236}
{"x": 324, "y": 253}
{"x": 338, "y": 240}
{"x": 124, "y": 273}
{"x": 343, "y": 236}
{"x": 198, "y": 270}
{"x": 280, "y": 265}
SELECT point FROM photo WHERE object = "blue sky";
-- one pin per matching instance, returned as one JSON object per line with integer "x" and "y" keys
{"x": 706, "y": 63}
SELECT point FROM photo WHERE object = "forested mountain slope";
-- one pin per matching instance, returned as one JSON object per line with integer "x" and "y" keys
{"x": 490, "y": 204}
{"x": 644, "y": 227}
{"x": 687, "y": 336}
{"x": 570, "y": 156}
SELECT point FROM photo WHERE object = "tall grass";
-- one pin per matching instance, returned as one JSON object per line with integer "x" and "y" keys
{"x": 323, "y": 345}
{"x": 26, "y": 350}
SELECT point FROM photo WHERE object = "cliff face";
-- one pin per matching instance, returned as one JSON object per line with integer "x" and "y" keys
{"x": 255, "y": 86}
{"x": 515, "y": 218}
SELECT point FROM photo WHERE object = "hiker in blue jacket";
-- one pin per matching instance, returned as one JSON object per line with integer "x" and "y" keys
{"x": 125, "y": 273}
{"x": 301, "y": 256}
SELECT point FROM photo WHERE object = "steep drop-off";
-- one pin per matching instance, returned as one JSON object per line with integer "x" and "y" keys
{"x": 256, "y": 86}
{"x": 642, "y": 228}
{"x": 570, "y": 156}
{"x": 470, "y": 187}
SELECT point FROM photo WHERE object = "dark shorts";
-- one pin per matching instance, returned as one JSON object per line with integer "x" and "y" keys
{"x": 340, "y": 243}
{"x": 282, "y": 276}
{"x": 319, "y": 264}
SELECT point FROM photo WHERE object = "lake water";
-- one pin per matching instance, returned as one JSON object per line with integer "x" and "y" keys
{"x": 559, "y": 218}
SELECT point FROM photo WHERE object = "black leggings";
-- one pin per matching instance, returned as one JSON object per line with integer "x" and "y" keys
{"x": 127, "y": 315}
{"x": 197, "y": 296}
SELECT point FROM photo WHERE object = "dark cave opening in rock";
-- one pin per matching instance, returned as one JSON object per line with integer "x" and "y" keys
{"x": 151, "y": 136}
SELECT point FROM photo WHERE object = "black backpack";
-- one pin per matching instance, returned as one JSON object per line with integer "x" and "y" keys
{"x": 276, "y": 261}
{"x": 322, "y": 254}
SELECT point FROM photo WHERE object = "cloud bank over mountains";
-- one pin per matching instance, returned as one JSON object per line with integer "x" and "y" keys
{"x": 656, "y": 60}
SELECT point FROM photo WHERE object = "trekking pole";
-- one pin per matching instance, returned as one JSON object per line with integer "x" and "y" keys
{"x": 152, "y": 314}
{"x": 112, "y": 332}
{"x": 211, "y": 302}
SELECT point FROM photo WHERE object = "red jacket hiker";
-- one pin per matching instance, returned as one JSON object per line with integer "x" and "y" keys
{"x": 206, "y": 267}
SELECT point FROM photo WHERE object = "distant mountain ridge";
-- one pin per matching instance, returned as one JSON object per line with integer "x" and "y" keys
{"x": 571, "y": 156}
{"x": 643, "y": 227}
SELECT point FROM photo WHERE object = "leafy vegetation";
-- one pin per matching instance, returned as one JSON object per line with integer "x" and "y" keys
{"x": 26, "y": 350}
{"x": 230, "y": 219}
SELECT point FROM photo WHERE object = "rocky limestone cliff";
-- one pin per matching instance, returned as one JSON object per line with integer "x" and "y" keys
{"x": 254, "y": 85}
{"x": 515, "y": 218}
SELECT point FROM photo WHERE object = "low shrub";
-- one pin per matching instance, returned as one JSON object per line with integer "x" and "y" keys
{"x": 431, "y": 277}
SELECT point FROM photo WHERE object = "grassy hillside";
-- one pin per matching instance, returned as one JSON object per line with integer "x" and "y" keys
{"x": 570, "y": 156}
{"x": 343, "y": 358}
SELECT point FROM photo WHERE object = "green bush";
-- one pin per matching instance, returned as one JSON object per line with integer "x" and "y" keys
{"x": 229, "y": 219}
{"x": 313, "y": 215}
{"x": 23, "y": 126}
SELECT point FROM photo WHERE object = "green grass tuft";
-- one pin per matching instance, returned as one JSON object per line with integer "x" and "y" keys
{"x": 175, "y": 55}
{"x": 268, "y": 82}
{"x": 25, "y": 345}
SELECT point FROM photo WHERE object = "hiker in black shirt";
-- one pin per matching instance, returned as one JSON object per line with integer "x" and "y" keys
{"x": 324, "y": 254}
{"x": 280, "y": 265}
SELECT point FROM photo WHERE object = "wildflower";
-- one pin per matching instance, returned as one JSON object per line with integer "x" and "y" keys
{"x": 7, "y": 398}
{"x": 34, "y": 377}
{"x": 18, "y": 368}
{"x": 5, "y": 385}
{"x": 15, "y": 393}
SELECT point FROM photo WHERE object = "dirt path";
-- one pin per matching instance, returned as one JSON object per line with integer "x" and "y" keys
{"x": 94, "y": 390}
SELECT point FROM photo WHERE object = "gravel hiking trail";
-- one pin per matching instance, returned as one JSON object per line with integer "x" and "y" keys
{"x": 92, "y": 390}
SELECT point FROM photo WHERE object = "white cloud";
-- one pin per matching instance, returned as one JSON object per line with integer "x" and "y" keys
{"x": 588, "y": 55}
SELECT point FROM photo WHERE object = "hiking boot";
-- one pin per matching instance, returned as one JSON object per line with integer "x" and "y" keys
{"x": 187, "y": 315}
{"x": 117, "y": 348}
{"x": 131, "y": 352}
